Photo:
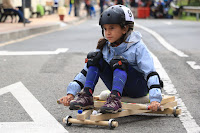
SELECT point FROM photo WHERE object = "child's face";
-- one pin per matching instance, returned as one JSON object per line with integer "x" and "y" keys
{"x": 113, "y": 32}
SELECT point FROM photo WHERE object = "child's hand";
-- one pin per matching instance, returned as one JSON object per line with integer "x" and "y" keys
{"x": 66, "y": 99}
{"x": 154, "y": 106}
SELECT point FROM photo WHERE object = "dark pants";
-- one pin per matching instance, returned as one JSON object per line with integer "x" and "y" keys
{"x": 101, "y": 8}
{"x": 135, "y": 86}
{"x": 18, "y": 12}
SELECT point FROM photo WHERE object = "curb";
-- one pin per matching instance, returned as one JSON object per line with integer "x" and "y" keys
{"x": 13, "y": 35}
{"x": 18, "y": 34}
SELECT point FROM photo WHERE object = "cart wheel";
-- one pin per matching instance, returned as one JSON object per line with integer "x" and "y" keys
{"x": 111, "y": 124}
{"x": 67, "y": 120}
{"x": 174, "y": 111}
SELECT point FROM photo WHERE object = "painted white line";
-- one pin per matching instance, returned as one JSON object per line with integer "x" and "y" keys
{"x": 193, "y": 64}
{"x": 168, "y": 23}
{"x": 163, "y": 41}
{"x": 186, "y": 118}
{"x": 58, "y": 51}
{"x": 43, "y": 121}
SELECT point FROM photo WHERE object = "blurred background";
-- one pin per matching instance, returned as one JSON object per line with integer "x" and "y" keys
{"x": 44, "y": 43}
{"x": 181, "y": 9}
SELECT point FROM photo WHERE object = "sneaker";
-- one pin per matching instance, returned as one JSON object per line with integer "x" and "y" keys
{"x": 83, "y": 101}
{"x": 112, "y": 105}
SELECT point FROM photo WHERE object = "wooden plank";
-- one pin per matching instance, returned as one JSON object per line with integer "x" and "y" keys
{"x": 89, "y": 122}
{"x": 170, "y": 105}
{"x": 98, "y": 104}
{"x": 167, "y": 99}
{"x": 100, "y": 116}
{"x": 136, "y": 106}
{"x": 167, "y": 111}
{"x": 96, "y": 97}
{"x": 135, "y": 109}
{"x": 132, "y": 106}
{"x": 85, "y": 114}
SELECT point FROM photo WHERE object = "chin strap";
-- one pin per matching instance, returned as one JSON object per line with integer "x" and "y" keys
{"x": 102, "y": 32}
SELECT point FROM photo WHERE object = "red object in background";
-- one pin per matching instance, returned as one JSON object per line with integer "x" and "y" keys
{"x": 147, "y": 12}
{"x": 143, "y": 12}
{"x": 61, "y": 17}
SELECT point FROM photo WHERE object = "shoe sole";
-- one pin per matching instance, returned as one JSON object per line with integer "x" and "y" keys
{"x": 77, "y": 107}
{"x": 111, "y": 111}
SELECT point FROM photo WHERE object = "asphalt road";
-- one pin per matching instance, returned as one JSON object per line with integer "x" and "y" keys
{"x": 47, "y": 76}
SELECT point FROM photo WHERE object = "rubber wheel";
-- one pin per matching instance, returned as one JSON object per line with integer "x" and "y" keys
{"x": 174, "y": 111}
{"x": 110, "y": 123}
{"x": 67, "y": 118}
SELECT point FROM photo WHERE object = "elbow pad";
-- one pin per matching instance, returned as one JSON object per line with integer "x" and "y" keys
{"x": 160, "y": 85}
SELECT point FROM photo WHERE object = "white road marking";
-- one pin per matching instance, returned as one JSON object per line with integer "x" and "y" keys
{"x": 186, "y": 118}
{"x": 163, "y": 41}
{"x": 59, "y": 50}
{"x": 168, "y": 23}
{"x": 43, "y": 121}
{"x": 193, "y": 64}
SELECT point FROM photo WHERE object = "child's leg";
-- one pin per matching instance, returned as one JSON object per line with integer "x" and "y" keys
{"x": 91, "y": 79}
{"x": 106, "y": 74}
{"x": 114, "y": 81}
{"x": 85, "y": 98}
{"x": 119, "y": 81}
{"x": 118, "y": 76}
{"x": 136, "y": 85}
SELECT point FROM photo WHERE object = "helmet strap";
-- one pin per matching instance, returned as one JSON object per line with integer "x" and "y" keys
{"x": 102, "y": 32}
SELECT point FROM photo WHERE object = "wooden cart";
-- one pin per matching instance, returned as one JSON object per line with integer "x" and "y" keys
{"x": 92, "y": 117}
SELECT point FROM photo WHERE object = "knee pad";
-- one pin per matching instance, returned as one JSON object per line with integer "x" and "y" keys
{"x": 119, "y": 62}
{"x": 93, "y": 58}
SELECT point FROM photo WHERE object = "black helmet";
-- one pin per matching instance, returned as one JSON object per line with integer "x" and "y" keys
{"x": 117, "y": 14}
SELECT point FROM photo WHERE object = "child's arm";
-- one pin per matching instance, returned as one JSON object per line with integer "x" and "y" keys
{"x": 146, "y": 65}
{"x": 78, "y": 83}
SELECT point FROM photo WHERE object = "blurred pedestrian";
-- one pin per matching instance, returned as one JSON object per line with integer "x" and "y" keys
{"x": 71, "y": 2}
{"x": 88, "y": 7}
{"x": 159, "y": 13}
{"x": 92, "y": 9}
{"x": 119, "y": 2}
{"x": 101, "y": 4}
{"x": 55, "y": 6}
{"x": 8, "y": 5}
{"x": 77, "y": 5}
